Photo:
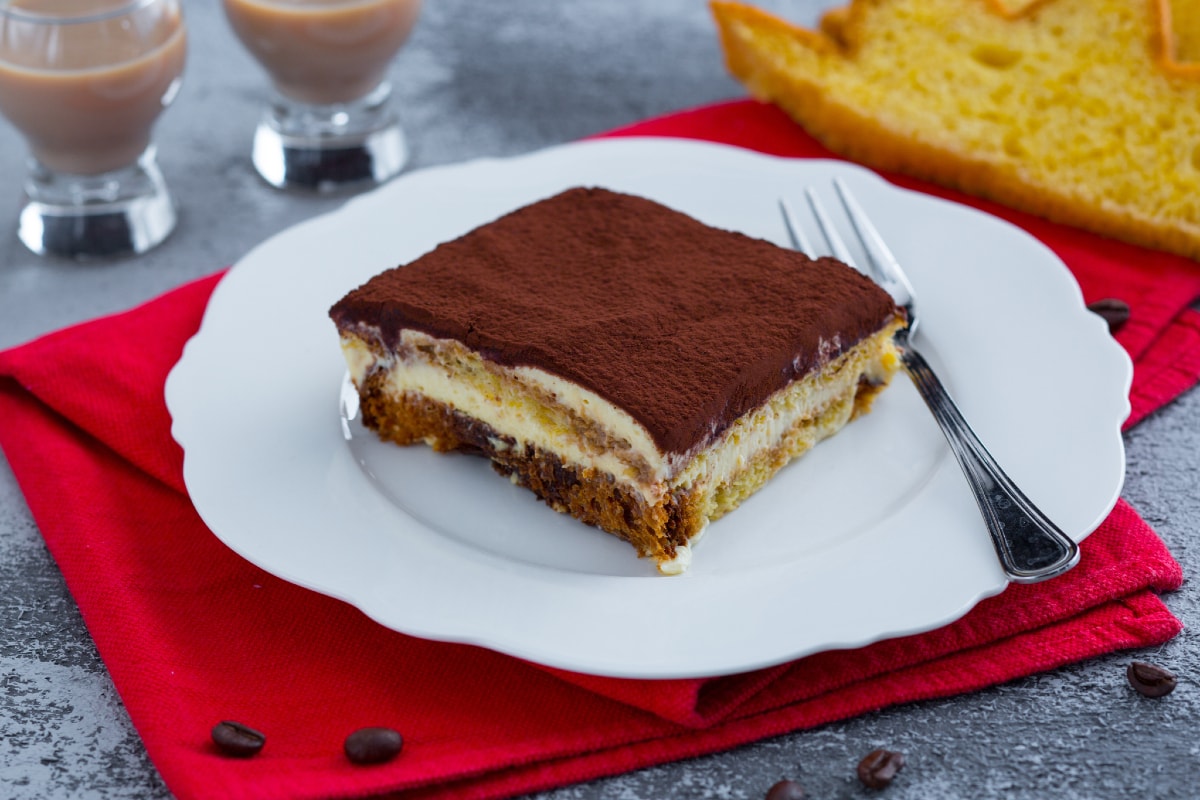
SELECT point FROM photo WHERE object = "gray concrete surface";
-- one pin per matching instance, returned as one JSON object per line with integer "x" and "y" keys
{"x": 503, "y": 78}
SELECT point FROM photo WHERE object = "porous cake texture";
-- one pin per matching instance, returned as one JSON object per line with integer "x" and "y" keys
{"x": 1083, "y": 111}
{"x": 630, "y": 365}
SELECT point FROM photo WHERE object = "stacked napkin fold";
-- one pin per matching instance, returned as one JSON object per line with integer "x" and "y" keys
{"x": 192, "y": 634}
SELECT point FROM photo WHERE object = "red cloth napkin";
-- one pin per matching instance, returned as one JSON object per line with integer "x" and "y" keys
{"x": 192, "y": 634}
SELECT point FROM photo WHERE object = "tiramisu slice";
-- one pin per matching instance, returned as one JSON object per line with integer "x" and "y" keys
{"x": 630, "y": 365}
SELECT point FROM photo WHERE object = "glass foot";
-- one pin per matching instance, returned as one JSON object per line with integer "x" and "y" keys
{"x": 119, "y": 213}
{"x": 343, "y": 147}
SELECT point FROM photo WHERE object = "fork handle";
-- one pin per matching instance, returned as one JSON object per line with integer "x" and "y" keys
{"x": 1031, "y": 548}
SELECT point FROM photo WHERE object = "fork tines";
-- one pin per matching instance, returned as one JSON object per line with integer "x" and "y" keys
{"x": 884, "y": 268}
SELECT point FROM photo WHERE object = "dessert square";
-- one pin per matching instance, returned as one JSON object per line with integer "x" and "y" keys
{"x": 630, "y": 365}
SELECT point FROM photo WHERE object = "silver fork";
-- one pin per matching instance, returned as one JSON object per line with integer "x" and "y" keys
{"x": 1030, "y": 547}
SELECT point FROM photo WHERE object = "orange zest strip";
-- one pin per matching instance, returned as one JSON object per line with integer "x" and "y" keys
{"x": 1179, "y": 36}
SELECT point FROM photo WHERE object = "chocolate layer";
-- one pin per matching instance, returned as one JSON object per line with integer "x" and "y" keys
{"x": 684, "y": 326}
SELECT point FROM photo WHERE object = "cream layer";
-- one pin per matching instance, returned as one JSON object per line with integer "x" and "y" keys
{"x": 527, "y": 404}
{"x": 536, "y": 408}
{"x": 798, "y": 410}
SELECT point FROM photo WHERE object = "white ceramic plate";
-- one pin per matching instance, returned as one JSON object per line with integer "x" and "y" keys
{"x": 872, "y": 534}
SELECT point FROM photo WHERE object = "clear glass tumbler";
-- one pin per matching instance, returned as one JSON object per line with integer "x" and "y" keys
{"x": 84, "y": 82}
{"x": 329, "y": 125}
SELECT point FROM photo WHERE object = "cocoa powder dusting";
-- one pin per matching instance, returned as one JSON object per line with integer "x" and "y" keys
{"x": 684, "y": 326}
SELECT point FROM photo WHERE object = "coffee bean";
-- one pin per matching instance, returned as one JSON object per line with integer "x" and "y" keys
{"x": 786, "y": 790}
{"x": 373, "y": 745}
{"x": 1150, "y": 680}
{"x": 1114, "y": 311}
{"x": 879, "y": 767}
{"x": 235, "y": 739}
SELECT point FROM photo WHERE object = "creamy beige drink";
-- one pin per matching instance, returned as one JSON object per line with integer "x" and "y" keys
{"x": 323, "y": 52}
{"x": 82, "y": 83}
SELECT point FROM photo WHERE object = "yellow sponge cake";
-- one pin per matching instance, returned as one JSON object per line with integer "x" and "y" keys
{"x": 1083, "y": 111}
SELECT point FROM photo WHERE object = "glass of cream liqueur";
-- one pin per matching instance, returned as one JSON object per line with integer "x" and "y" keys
{"x": 84, "y": 82}
{"x": 328, "y": 125}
